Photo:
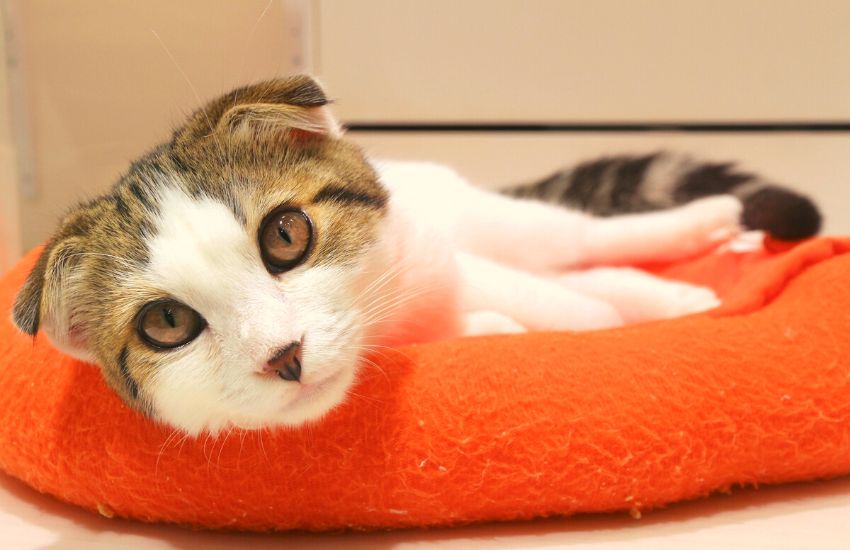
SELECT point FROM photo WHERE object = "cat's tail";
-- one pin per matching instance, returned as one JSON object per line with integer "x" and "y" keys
{"x": 626, "y": 184}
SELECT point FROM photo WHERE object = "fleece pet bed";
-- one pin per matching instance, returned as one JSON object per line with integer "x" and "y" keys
{"x": 493, "y": 428}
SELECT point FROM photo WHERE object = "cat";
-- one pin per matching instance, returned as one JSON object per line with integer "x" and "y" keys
{"x": 237, "y": 275}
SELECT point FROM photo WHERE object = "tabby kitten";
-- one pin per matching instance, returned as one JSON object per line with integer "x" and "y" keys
{"x": 235, "y": 276}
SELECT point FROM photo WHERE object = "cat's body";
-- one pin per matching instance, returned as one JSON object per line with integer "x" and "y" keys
{"x": 237, "y": 275}
{"x": 525, "y": 265}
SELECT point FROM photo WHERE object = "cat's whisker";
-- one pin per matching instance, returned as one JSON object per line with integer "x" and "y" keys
{"x": 371, "y": 292}
{"x": 412, "y": 293}
{"x": 384, "y": 352}
{"x": 204, "y": 449}
{"x": 183, "y": 440}
{"x": 241, "y": 447}
{"x": 362, "y": 397}
{"x": 191, "y": 87}
{"x": 257, "y": 22}
{"x": 163, "y": 447}
{"x": 375, "y": 365}
{"x": 221, "y": 448}
{"x": 262, "y": 445}
{"x": 395, "y": 302}
{"x": 387, "y": 276}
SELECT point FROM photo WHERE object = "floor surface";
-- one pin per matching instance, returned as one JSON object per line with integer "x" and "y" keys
{"x": 797, "y": 516}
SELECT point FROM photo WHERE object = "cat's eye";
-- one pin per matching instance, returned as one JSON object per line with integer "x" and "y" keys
{"x": 286, "y": 236}
{"x": 167, "y": 324}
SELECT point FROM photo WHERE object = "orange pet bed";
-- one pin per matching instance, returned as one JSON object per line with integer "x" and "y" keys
{"x": 494, "y": 428}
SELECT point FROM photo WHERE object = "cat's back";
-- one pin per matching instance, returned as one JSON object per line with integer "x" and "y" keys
{"x": 426, "y": 193}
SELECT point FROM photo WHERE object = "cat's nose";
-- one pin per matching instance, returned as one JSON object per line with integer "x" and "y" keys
{"x": 286, "y": 362}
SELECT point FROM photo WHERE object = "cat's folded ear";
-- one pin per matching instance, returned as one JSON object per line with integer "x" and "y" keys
{"x": 52, "y": 297}
{"x": 294, "y": 106}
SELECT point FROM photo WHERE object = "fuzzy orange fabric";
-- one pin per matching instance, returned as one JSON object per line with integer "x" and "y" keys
{"x": 492, "y": 428}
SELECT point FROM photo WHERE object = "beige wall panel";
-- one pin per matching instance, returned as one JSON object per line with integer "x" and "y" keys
{"x": 10, "y": 235}
{"x": 580, "y": 60}
{"x": 102, "y": 88}
{"x": 818, "y": 165}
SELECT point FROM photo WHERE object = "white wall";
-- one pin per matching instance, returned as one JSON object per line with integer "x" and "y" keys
{"x": 101, "y": 87}
{"x": 581, "y": 60}
{"x": 601, "y": 60}
{"x": 10, "y": 231}
{"x": 106, "y": 81}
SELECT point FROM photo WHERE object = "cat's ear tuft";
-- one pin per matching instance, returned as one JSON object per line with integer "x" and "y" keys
{"x": 267, "y": 118}
{"x": 50, "y": 297}
{"x": 294, "y": 105}
{"x": 27, "y": 310}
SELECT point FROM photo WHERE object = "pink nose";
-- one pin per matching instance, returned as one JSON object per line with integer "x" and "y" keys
{"x": 286, "y": 362}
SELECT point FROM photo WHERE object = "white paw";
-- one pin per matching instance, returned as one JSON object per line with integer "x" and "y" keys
{"x": 685, "y": 299}
{"x": 588, "y": 314}
{"x": 711, "y": 221}
{"x": 490, "y": 322}
{"x": 597, "y": 316}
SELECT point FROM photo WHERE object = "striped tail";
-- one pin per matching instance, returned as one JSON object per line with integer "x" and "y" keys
{"x": 627, "y": 184}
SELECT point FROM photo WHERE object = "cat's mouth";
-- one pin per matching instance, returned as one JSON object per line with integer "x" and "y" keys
{"x": 312, "y": 400}
{"x": 315, "y": 399}
{"x": 308, "y": 390}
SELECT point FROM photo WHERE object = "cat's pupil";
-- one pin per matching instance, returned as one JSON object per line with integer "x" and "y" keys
{"x": 284, "y": 239}
{"x": 169, "y": 324}
{"x": 284, "y": 234}
{"x": 168, "y": 317}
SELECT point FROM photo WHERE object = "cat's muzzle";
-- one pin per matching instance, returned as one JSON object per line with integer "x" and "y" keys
{"x": 286, "y": 362}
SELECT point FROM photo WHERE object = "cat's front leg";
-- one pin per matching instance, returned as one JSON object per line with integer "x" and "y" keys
{"x": 664, "y": 236}
{"x": 541, "y": 237}
{"x": 532, "y": 302}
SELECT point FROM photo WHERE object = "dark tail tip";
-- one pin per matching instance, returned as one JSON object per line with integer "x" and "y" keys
{"x": 784, "y": 214}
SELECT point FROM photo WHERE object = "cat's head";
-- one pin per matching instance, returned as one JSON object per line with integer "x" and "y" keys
{"x": 217, "y": 284}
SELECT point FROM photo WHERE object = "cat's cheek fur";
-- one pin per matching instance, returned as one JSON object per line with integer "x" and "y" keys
{"x": 186, "y": 396}
{"x": 201, "y": 255}
{"x": 183, "y": 393}
{"x": 215, "y": 383}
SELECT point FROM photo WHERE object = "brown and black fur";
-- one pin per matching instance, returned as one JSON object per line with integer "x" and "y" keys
{"x": 260, "y": 147}
{"x": 619, "y": 184}
{"x": 249, "y": 149}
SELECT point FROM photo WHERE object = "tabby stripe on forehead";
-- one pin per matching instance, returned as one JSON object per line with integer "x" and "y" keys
{"x": 335, "y": 193}
{"x": 139, "y": 194}
{"x": 120, "y": 205}
{"x": 132, "y": 385}
{"x": 233, "y": 204}
{"x": 179, "y": 162}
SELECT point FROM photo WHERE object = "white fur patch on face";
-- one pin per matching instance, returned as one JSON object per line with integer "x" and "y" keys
{"x": 201, "y": 255}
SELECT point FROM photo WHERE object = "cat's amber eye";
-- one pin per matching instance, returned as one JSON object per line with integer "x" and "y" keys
{"x": 286, "y": 236}
{"x": 167, "y": 324}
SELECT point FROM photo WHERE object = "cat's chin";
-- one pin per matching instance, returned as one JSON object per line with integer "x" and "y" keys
{"x": 315, "y": 400}
{"x": 312, "y": 402}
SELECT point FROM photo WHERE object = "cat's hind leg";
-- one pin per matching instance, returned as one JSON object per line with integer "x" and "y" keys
{"x": 532, "y": 302}
{"x": 476, "y": 323}
{"x": 639, "y": 296}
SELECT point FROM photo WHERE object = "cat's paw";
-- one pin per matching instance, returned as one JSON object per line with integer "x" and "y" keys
{"x": 710, "y": 222}
{"x": 583, "y": 315}
{"x": 478, "y": 323}
{"x": 719, "y": 217}
{"x": 685, "y": 299}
